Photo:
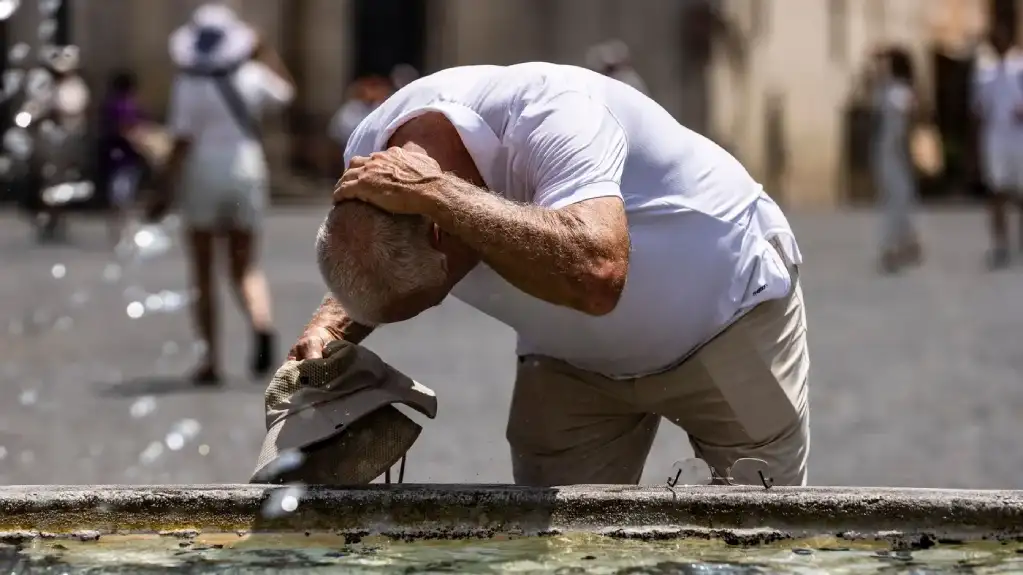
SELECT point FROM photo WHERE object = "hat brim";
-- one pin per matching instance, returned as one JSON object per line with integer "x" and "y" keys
{"x": 355, "y": 455}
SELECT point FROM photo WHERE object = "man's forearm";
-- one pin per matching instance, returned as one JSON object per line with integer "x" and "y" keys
{"x": 332, "y": 317}
{"x": 552, "y": 255}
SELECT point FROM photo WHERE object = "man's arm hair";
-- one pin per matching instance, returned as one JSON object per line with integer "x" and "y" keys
{"x": 332, "y": 317}
{"x": 576, "y": 256}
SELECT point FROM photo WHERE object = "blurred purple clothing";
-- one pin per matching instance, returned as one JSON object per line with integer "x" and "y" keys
{"x": 119, "y": 113}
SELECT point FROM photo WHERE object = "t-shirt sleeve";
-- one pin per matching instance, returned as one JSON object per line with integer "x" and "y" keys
{"x": 572, "y": 149}
{"x": 181, "y": 117}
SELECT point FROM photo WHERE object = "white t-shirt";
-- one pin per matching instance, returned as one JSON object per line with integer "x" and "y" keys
{"x": 554, "y": 135}
{"x": 998, "y": 92}
{"x": 198, "y": 110}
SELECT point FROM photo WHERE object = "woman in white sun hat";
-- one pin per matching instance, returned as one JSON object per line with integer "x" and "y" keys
{"x": 227, "y": 76}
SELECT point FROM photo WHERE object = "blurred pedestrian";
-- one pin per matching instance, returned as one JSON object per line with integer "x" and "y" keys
{"x": 228, "y": 75}
{"x": 895, "y": 103}
{"x": 364, "y": 95}
{"x": 121, "y": 166}
{"x": 402, "y": 75}
{"x": 998, "y": 105}
{"x": 614, "y": 59}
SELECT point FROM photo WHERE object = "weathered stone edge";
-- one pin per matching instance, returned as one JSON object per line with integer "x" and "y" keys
{"x": 424, "y": 511}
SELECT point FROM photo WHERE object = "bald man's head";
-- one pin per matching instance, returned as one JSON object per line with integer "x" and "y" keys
{"x": 374, "y": 262}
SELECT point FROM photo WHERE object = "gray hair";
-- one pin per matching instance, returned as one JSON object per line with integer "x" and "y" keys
{"x": 370, "y": 258}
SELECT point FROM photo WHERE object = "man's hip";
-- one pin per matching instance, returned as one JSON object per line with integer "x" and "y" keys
{"x": 742, "y": 394}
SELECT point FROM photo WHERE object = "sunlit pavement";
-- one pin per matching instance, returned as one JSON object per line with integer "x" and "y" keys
{"x": 917, "y": 379}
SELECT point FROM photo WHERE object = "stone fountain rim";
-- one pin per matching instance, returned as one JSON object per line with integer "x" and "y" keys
{"x": 740, "y": 515}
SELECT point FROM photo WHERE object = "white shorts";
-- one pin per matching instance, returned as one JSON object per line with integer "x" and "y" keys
{"x": 225, "y": 189}
{"x": 1003, "y": 165}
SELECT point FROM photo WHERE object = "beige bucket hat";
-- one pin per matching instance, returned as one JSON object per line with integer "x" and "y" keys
{"x": 332, "y": 421}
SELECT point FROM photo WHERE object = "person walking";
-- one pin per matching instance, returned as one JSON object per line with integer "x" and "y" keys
{"x": 895, "y": 104}
{"x": 227, "y": 76}
{"x": 122, "y": 167}
{"x": 998, "y": 106}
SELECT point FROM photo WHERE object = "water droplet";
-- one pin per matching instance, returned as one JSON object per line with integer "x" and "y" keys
{"x": 12, "y": 82}
{"x": 63, "y": 323}
{"x": 170, "y": 348}
{"x": 172, "y": 301}
{"x": 79, "y": 298}
{"x": 154, "y": 302}
{"x": 3, "y": 452}
{"x": 39, "y": 85}
{"x": 175, "y": 441}
{"x": 152, "y": 452}
{"x": 283, "y": 501}
{"x": 28, "y": 397}
{"x": 135, "y": 310}
{"x": 8, "y": 7}
{"x": 150, "y": 241}
{"x": 143, "y": 407}
{"x": 48, "y": 7}
{"x": 47, "y": 28}
{"x": 287, "y": 461}
{"x": 111, "y": 273}
{"x": 188, "y": 428}
{"x": 27, "y": 457}
{"x": 204, "y": 450}
{"x": 18, "y": 53}
{"x": 18, "y": 142}
{"x": 58, "y": 271}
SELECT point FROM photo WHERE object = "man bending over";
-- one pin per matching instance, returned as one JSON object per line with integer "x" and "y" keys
{"x": 646, "y": 273}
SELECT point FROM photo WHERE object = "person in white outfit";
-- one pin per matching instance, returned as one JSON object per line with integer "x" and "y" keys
{"x": 614, "y": 59}
{"x": 646, "y": 273}
{"x": 227, "y": 76}
{"x": 998, "y": 105}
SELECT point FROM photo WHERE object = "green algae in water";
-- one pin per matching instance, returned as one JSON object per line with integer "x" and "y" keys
{"x": 291, "y": 554}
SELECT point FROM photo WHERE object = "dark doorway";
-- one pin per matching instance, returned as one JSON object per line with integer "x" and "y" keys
{"x": 955, "y": 123}
{"x": 1004, "y": 11}
{"x": 388, "y": 33}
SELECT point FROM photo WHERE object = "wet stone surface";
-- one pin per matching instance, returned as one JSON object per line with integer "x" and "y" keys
{"x": 561, "y": 554}
{"x": 915, "y": 382}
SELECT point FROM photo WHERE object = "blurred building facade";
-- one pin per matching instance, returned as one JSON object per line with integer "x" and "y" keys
{"x": 779, "y": 106}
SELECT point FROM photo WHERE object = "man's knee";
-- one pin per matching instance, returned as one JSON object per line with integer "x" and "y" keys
{"x": 614, "y": 455}
{"x": 565, "y": 427}
{"x": 786, "y": 454}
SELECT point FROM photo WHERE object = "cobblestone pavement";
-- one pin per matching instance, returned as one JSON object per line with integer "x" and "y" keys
{"x": 917, "y": 379}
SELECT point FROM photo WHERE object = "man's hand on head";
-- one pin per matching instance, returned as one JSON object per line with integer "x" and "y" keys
{"x": 398, "y": 180}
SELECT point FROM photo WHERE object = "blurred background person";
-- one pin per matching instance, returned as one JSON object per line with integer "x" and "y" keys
{"x": 895, "y": 105}
{"x": 364, "y": 96}
{"x": 998, "y": 104}
{"x": 228, "y": 76}
{"x": 121, "y": 167}
{"x": 403, "y": 75}
{"x": 613, "y": 58}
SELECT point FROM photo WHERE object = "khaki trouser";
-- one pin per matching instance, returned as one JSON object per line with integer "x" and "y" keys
{"x": 743, "y": 394}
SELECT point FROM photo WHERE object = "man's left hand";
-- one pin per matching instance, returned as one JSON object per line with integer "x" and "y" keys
{"x": 398, "y": 181}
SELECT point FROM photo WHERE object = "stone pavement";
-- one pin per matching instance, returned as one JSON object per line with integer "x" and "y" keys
{"x": 917, "y": 379}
